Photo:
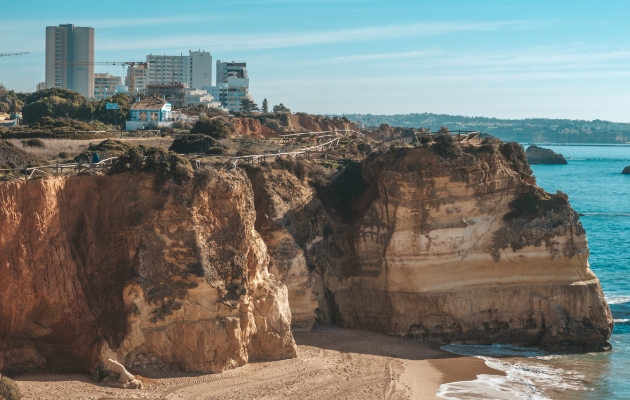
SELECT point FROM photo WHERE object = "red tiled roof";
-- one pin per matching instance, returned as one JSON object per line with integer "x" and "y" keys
{"x": 149, "y": 103}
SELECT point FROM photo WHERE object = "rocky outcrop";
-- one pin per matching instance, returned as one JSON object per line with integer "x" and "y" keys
{"x": 626, "y": 171}
{"x": 280, "y": 196}
{"x": 448, "y": 246}
{"x": 249, "y": 127}
{"x": 539, "y": 155}
{"x": 100, "y": 268}
{"x": 272, "y": 124}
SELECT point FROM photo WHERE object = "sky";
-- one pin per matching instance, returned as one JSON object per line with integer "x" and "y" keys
{"x": 504, "y": 59}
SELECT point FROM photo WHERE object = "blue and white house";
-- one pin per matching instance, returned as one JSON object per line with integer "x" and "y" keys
{"x": 150, "y": 111}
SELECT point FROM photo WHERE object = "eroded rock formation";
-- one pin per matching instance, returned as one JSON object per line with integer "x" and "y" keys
{"x": 272, "y": 124}
{"x": 539, "y": 155}
{"x": 95, "y": 268}
{"x": 441, "y": 243}
{"x": 446, "y": 246}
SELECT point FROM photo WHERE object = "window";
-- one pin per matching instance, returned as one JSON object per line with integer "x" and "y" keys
{"x": 154, "y": 116}
{"x": 142, "y": 116}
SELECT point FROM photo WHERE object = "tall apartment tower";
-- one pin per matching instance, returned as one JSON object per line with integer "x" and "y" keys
{"x": 65, "y": 45}
{"x": 232, "y": 85}
{"x": 193, "y": 70}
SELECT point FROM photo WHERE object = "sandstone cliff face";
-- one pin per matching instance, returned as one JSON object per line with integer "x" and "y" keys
{"x": 274, "y": 124}
{"x": 250, "y": 127}
{"x": 109, "y": 267}
{"x": 280, "y": 196}
{"x": 461, "y": 249}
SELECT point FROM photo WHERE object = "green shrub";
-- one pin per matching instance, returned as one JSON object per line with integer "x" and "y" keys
{"x": 193, "y": 143}
{"x": 105, "y": 149}
{"x": 445, "y": 146}
{"x": 64, "y": 155}
{"x": 34, "y": 143}
{"x": 99, "y": 126}
{"x": 247, "y": 152}
{"x": 17, "y": 158}
{"x": 161, "y": 162}
{"x": 211, "y": 127}
{"x": 217, "y": 151}
{"x": 9, "y": 390}
{"x": 426, "y": 139}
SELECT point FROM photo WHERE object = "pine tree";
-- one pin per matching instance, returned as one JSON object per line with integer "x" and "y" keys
{"x": 265, "y": 106}
{"x": 248, "y": 105}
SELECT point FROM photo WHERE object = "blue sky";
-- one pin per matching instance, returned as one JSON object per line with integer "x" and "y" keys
{"x": 507, "y": 59}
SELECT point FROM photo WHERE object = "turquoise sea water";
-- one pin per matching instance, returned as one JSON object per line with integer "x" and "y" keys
{"x": 597, "y": 189}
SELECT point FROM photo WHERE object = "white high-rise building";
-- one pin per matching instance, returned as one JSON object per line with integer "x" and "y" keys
{"x": 194, "y": 70}
{"x": 70, "y": 58}
{"x": 232, "y": 85}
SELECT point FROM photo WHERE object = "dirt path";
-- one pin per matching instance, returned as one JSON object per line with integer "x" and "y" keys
{"x": 333, "y": 363}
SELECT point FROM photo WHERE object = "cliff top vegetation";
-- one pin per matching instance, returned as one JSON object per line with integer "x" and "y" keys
{"x": 12, "y": 156}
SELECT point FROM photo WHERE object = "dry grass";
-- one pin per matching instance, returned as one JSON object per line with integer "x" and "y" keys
{"x": 76, "y": 147}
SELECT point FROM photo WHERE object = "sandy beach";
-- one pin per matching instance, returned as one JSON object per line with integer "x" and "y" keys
{"x": 333, "y": 363}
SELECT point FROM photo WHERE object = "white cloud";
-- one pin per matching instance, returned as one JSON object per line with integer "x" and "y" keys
{"x": 253, "y": 40}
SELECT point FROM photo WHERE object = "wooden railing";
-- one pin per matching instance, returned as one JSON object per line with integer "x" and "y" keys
{"x": 292, "y": 136}
{"x": 55, "y": 169}
{"x": 251, "y": 159}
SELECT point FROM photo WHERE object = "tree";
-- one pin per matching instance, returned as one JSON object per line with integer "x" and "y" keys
{"x": 265, "y": 106}
{"x": 211, "y": 127}
{"x": 248, "y": 105}
{"x": 10, "y": 101}
{"x": 62, "y": 103}
{"x": 280, "y": 107}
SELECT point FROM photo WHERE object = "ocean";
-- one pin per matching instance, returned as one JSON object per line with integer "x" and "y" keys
{"x": 597, "y": 189}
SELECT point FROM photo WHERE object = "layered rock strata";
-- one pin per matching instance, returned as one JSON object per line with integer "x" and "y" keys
{"x": 460, "y": 247}
{"x": 539, "y": 155}
{"x": 99, "y": 270}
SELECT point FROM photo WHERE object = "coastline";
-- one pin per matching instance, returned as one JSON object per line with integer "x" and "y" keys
{"x": 332, "y": 363}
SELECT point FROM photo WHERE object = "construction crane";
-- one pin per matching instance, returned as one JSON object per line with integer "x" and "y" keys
{"x": 13, "y": 54}
{"x": 130, "y": 64}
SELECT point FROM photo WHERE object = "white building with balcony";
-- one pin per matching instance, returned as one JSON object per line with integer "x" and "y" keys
{"x": 232, "y": 85}
{"x": 199, "y": 97}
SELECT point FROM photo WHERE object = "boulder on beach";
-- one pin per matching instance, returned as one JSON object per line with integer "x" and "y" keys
{"x": 538, "y": 155}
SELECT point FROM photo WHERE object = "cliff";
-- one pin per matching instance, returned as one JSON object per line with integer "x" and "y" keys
{"x": 442, "y": 244}
{"x": 538, "y": 155}
{"x": 101, "y": 270}
{"x": 263, "y": 125}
